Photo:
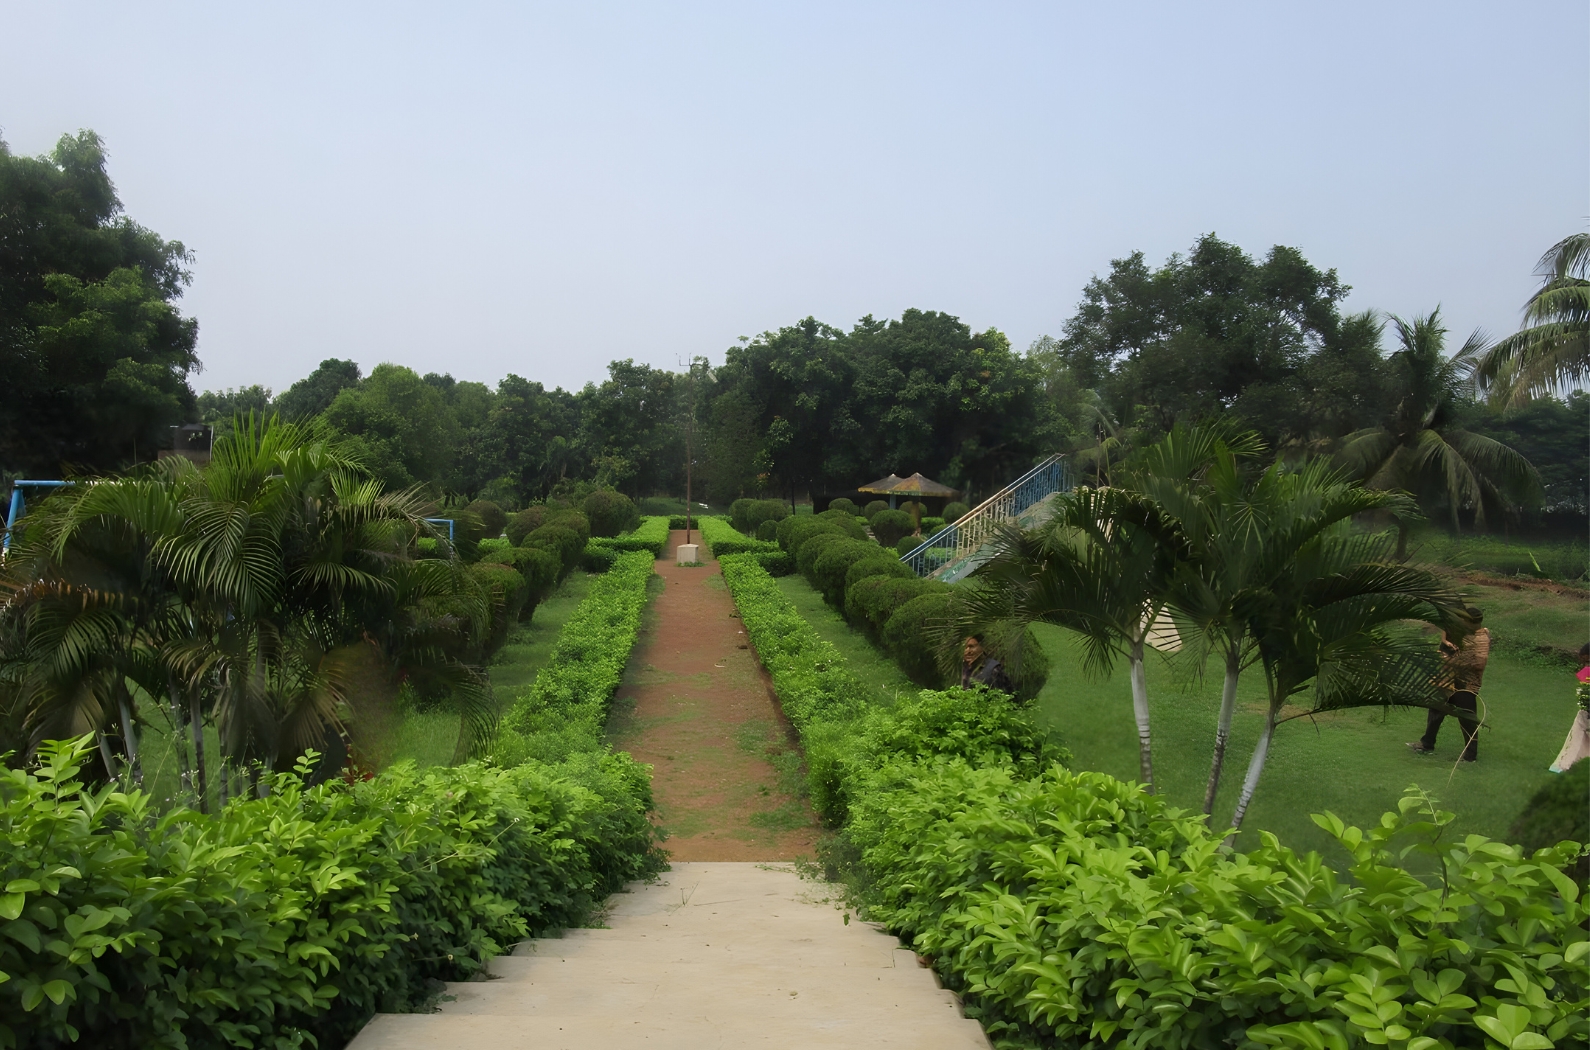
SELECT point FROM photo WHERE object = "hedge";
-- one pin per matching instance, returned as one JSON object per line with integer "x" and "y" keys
{"x": 288, "y": 920}
{"x": 1075, "y": 909}
{"x": 564, "y": 710}
{"x": 650, "y": 536}
{"x": 723, "y": 539}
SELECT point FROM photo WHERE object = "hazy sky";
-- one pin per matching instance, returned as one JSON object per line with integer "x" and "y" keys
{"x": 480, "y": 189}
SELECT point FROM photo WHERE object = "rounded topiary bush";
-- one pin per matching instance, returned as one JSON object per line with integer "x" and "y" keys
{"x": 560, "y": 540}
{"x": 1015, "y": 646}
{"x": 792, "y": 532}
{"x": 572, "y": 520}
{"x": 828, "y": 571}
{"x": 806, "y": 557}
{"x": 906, "y": 544}
{"x": 884, "y": 564}
{"x": 524, "y": 523}
{"x": 492, "y": 518}
{"x": 919, "y": 637}
{"x": 540, "y": 568}
{"x": 747, "y": 515}
{"x": 767, "y": 531}
{"x": 740, "y": 515}
{"x": 870, "y": 602}
{"x": 851, "y": 524}
{"x": 955, "y": 510}
{"x": 507, "y": 593}
{"x": 874, "y": 507}
{"x": 845, "y": 505}
{"x": 889, "y": 526}
{"x": 610, "y": 513}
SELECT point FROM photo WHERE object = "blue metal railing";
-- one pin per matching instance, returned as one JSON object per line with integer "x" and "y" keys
{"x": 952, "y": 552}
{"x": 19, "y": 506}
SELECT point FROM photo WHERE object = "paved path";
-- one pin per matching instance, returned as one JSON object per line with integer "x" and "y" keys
{"x": 695, "y": 706}
{"x": 713, "y": 955}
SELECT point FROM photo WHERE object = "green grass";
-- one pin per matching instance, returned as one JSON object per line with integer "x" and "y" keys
{"x": 1505, "y": 556}
{"x": 1354, "y": 763}
{"x": 873, "y": 667}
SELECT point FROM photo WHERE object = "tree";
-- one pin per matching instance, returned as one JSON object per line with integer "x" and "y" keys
{"x": 218, "y": 408}
{"x": 1418, "y": 446}
{"x": 629, "y": 425}
{"x": 1102, "y": 567}
{"x": 1552, "y": 353}
{"x": 95, "y": 355}
{"x": 399, "y": 426}
{"x": 314, "y": 393}
{"x": 532, "y": 436}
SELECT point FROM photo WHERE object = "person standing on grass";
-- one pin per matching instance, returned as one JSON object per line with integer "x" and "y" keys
{"x": 1465, "y": 671}
{"x": 980, "y": 667}
{"x": 1577, "y": 746}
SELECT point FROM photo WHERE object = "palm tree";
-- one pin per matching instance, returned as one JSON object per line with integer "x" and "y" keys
{"x": 1553, "y": 351}
{"x": 1100, "y": 567}
{"x": 1420, "y": 448}
{"x": 1338, "y": 619}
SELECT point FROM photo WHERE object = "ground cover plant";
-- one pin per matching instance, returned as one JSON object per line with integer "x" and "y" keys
{"x": 1075, "y": 908}
{"x": 650, "y": 536}
{"x": 722, "y": 538}
{"x": 287, "y": 920}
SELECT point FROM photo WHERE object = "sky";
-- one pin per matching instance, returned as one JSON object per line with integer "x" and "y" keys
{"x": 481, "y": 189}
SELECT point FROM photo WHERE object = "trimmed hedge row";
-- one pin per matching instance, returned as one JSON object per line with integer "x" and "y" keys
{"x": 288, "y": 920}
{"x": 651, "y": 536}
{"x": 1074, "y": 909}
{"x": 723, "y": 539}
{"x": 564, "y": 710}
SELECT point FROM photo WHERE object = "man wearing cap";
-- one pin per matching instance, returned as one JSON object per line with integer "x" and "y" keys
{"x": 1465, "y": 670}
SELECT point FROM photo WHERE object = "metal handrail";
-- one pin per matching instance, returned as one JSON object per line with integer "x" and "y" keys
{"x": 968, "y": 534}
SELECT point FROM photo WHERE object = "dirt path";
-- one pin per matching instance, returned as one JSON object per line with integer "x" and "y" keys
{"x": 695, "y": 706}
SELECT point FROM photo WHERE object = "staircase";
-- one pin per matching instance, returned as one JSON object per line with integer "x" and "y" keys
{"x": 712, "y": 955}
{"x": 961, "y": 546}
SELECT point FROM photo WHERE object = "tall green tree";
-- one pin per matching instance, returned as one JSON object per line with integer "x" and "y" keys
{"x": 1420, "y": 447}
{"x": 314, "y": 393}
{"x": 399, "y": 426}
{"x": 1552, "y": 352}
{"x": 95, "y": 354}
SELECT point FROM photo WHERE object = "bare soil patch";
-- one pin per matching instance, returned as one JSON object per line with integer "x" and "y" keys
{"x": 694, "y": 705}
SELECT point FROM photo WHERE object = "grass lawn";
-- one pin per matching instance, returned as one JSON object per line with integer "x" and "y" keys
{"x": 1352, "y": 763}
{"x": 874, "y": 668}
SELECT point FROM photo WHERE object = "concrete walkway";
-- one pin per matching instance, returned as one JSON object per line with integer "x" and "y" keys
{"x": 714, "y": 954}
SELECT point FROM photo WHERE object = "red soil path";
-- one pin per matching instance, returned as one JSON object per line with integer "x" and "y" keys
{"x": 695, "y": 705}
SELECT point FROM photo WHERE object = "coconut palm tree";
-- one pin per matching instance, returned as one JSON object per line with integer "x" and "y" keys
{"x": 1420, "y": 448}
{"x": 1552, "y": 352}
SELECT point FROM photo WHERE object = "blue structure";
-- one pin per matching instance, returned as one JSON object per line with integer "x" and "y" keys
{"x": 959, "y": 547}
{"x": 19, "y": 505}
{"x": 449, "y": 521}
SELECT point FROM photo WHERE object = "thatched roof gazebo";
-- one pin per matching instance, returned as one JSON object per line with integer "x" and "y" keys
{"x": 915, "y": 486}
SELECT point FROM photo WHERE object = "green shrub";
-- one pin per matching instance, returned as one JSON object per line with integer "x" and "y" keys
{"x": 564, "y": 710}
{"x": 831, "y": 566}
{"x": 491, "y": 517}
{"x": 290, "y": 919}
{"x": 747, "y": 514}
{"x": 890, "y": 526}
{"x": 494, "y": 549}
{"x": 1558, "y": 812}
{"x": 812, "y": 549}
{"x": 767, "y": 531}
{"x": 541, "y": 570}
{"x": 846, "y": 522}
{"x": 563, "y": 542}
{"x": 913, "y": 509}
{"x": 507, "y": 593}
{"x": 523, "y": 524}
{"x": 981, "y": 725}
{"x": 844, "y": 506}
{"x": 916, "y": 637}
{"x": 794, "y": 531}
{"x": 572, "y": 520}
{"x": 954, "y": 511}
{"x": 597, "y": 559}
{"x": 873, "y": 508}
{"x": 610, "y": 513}
{"x": 428, "y": 547}
{"x": 931, "y": 525}
{"x": 870, "y": 602}
{"x": 907, "y": 544}
{"x": 1070, "y": 905}
{"x": 879, "y": 564}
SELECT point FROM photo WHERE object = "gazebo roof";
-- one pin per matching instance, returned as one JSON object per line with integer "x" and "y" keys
{"x": 883, "y": 486}
{"x": 917, "y": 485}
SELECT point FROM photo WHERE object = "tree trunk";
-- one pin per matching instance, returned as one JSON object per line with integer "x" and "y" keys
{"x": 196, "y": 726}
{"x": 223, "y": 775}
{"x": 1255, "y": 769}
{"x": 129, "y": 739}
{"x": 1228, "y": 706}
{"x": 184, "y": 767}
{"x": 1145, "y": 753}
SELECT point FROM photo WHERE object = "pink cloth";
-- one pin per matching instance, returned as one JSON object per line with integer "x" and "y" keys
{"x": 1584, "y": 674}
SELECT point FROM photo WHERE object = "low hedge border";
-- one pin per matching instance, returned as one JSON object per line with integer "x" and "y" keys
{"x": 723, "y": 539}
{"x": 1075, "y": 909}
{"x": 564, "y": 711}
{"x": 651, "y": 536}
